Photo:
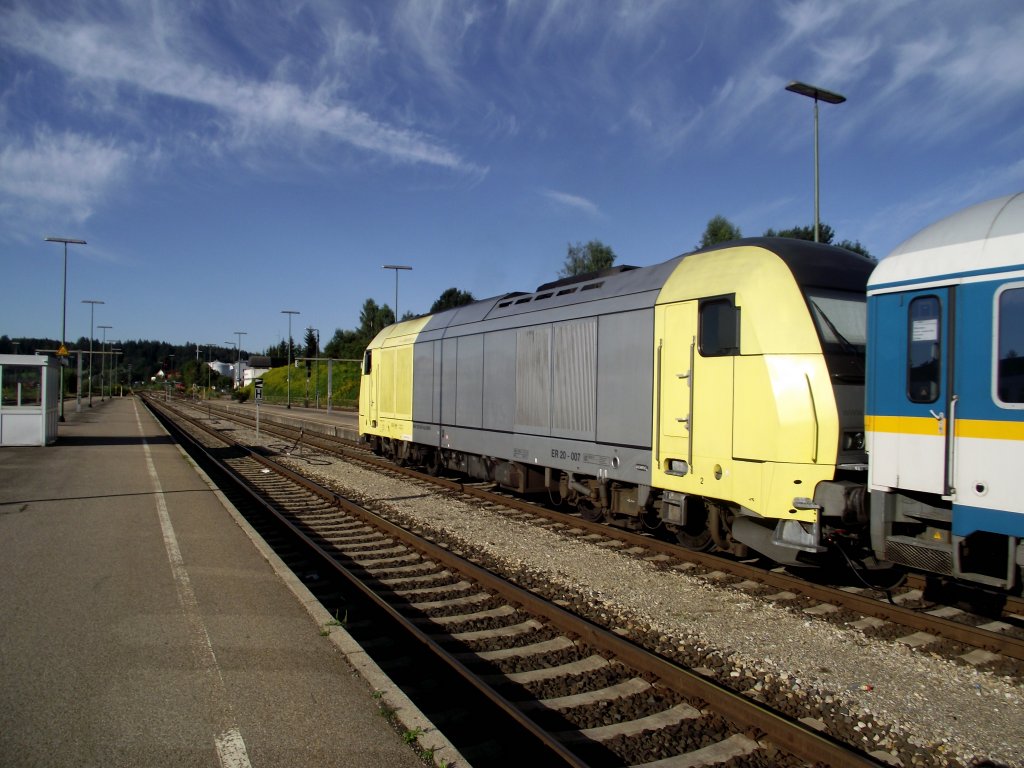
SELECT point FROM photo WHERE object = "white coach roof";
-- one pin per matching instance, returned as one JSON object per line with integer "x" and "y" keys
{"x": 986, "y": 236}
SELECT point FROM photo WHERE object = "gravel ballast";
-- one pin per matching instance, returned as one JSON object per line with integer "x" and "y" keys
{"x": 903, "y": 705}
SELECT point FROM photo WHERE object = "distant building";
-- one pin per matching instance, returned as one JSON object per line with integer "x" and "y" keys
{"x": 222, "y": 369}
{"x": 248, "y": 374}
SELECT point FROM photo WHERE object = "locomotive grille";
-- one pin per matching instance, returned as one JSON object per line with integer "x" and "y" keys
{"x": 908, "y": 552}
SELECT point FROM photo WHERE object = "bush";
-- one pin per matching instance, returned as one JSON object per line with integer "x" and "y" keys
{"x": 241, "y": 395}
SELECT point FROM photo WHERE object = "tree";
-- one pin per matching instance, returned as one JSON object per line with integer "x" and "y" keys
{"x": 346, "y": 345}
{"x": 825, "y": 235}
{"x": 373, "y": 318}
{"x": 451, "y": 298}
{"x": 719, "y": 230}
{"x": 581, "y": 259}
{"x": 311, "y": 342}
{"x": 854, "y": 246}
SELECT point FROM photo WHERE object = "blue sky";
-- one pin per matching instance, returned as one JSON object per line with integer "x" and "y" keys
{"x": 227, "y": 160}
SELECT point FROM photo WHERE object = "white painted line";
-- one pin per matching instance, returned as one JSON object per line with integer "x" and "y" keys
{"x": 231, "y": 750}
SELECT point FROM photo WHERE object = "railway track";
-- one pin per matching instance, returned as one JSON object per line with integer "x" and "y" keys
{"x": 917, "y": 613}
{"x": 588, "y": 695}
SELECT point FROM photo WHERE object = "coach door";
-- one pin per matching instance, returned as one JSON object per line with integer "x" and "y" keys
{"x": 928, "y": 406}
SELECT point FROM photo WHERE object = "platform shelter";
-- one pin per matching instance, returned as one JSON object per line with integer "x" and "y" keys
{"x": 29, "y": 392}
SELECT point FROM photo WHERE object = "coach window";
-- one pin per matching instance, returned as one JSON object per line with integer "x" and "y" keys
{"x": 925, "y": 350}
{"x": 719, "y": 328}
{"x": 1010, "y": 322}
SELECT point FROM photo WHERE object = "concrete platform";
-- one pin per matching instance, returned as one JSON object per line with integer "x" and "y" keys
{"x": 139, "y": 624}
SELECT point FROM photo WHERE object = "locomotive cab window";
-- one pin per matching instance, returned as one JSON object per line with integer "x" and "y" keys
{"x": 1010, "y": 349}
{"x": 924, "y": 349}
{"x": 719, "y": 328}
{"x": 367, "y": 362}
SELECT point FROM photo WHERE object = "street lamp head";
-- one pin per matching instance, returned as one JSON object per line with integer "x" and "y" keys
{"x": 65, "y": 240}
{"x": 816, "y": 93}
{"x": 395, "y": 266}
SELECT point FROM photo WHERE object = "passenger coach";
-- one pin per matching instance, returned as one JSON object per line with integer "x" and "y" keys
{"x": 719, "y": 394}
{"x": 945, "y": 407}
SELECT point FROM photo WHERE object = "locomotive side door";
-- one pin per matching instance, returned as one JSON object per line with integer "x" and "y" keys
{"x": 675, "y": 327}
{"x": 368, "y": 393}
{"x": 696, "y": 343}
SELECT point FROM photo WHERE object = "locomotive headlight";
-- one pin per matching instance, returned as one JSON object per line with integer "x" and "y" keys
{"x": 853, "y": 441}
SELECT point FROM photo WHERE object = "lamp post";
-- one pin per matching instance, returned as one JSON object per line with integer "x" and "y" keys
{"x": 113, "y": 366}
{"x": 103, "y": 361}
{"x": 818, "y": 94}
{"x": 92, "y": 315}
{"x": 238, "y": 363}
{"x": 290, "y": 312}
{"x": 64, "y": 311}
{"x": 396, "y": 267}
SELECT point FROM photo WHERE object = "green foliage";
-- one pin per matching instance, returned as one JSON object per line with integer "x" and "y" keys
{"x": 825, "y": 235}
{"x": 719, "y": 230}
{"x": 280, "y": 351}
{"x": 451, "y": 298}
{"x": 854, "y": 246}
{"x": 581, "y": 259}
{"x": 344, "y": 384}
{"x": 311, "y": 342}
{"x": 374, "y": 318}
{"x": 347, "y": 345}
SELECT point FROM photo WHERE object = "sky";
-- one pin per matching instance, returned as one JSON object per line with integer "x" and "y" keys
{"x": 229, "y": 160}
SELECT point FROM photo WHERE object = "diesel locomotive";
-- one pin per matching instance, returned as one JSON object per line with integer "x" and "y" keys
{"x": 721, "y": 396}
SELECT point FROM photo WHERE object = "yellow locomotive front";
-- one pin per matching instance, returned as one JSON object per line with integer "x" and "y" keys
{"x": 758, "y": 403}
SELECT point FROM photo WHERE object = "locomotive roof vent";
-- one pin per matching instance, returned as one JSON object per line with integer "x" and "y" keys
{"x": 585, "y": 277}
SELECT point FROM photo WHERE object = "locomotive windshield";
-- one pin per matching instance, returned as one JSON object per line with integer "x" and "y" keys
{"x": 840, "y": 318}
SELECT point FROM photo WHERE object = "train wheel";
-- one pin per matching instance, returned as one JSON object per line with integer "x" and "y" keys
{"x": 433, "y": 463}
{"x": 590, "y": 511}
{"x": 695, "y": 534}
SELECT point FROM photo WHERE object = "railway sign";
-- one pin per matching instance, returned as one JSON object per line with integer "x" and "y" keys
{"x": 258, "y": 386}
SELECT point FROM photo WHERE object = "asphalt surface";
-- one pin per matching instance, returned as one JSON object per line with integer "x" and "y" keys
{"x": 139, "y": 625}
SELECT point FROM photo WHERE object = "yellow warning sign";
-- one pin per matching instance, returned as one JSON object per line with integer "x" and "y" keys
{"x": 62, "y": 351}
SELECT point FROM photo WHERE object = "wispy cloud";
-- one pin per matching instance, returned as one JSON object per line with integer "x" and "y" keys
{"x": 67, "y": 172}
{"x": 574, "y": 202}
{"x": 156, "y": 65}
